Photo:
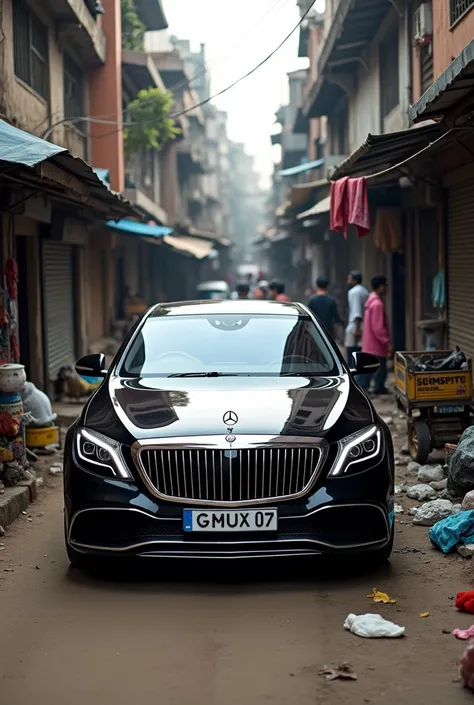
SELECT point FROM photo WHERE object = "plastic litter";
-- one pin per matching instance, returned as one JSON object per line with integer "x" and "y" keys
{"x": 453, "y": 530}
{"x": 463, "y": 633}
{"x": 465, "y": 601}
{"x": 466, "y": 669}
{"x": 378, "y": 596}
{"x": 344, "y": 671}
{"x": 372, "y": 626}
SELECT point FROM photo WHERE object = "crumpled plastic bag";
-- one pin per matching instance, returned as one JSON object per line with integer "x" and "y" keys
{"x": 447, "y": 533}
{"x": 372, "y": 626}
{"x": 463, "y": 633}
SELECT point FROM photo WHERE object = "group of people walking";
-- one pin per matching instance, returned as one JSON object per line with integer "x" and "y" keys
{"x": 273, "y": 291}
{"x": 367, "y": 325}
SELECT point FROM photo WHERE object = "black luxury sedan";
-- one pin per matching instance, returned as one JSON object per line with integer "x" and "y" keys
{"x": 228, "y": 429}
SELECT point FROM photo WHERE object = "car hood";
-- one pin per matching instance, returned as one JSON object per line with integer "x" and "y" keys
{"x": 166, "y": 408}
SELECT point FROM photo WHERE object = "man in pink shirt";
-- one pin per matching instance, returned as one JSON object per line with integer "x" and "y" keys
{"x": 376, "y": 336}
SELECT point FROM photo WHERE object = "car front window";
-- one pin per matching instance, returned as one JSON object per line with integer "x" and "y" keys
{"x": 229, "y": 344}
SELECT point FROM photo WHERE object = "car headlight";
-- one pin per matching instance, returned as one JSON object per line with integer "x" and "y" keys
{"x": 357, "y": 452}
{"x": 100, "y": 454}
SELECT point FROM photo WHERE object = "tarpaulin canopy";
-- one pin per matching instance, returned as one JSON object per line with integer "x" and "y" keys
{"x": 190, "y": 245}
{"x": 301, "y": 168}
{"x": 131, "y": 227}
{"x": 318, "y": 209}
{"x": 51, "y": 169}
{"x": 20, "y": 147}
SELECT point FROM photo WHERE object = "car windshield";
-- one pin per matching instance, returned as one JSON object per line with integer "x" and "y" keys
{"x": 229, "y": 344}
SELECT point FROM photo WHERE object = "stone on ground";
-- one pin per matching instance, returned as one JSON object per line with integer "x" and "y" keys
{"x": 431, "y": 473}
{"x": 422, "y": 493}
{"x": 431, "y": 512}
{"x": 468, "y": 501}
{"x": 461, "y": 469}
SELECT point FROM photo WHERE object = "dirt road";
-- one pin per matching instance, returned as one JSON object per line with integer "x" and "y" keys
{"x": 222, "y": 635}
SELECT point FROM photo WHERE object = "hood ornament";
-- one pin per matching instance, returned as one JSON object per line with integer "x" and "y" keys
{"x": 230, "y": 418}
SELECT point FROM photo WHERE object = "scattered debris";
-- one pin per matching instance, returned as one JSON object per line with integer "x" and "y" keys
{"x": 388, "y": 420}
{"x": 422, "y": 493}
{"x": 344, "y": 671}
{"x": 372, "y": 626}
{"x": 40, "y": 481}
{"x": 432, "y": 512}
{"x": 398, "y": 509}
{"x": 397, "y": 489}
{"x": 461, "y": 468}
{"x": 463, "y": 633}
{"x": 466, "y": 551}
{"x": 431, "y": 473}
{"x": 467, "y": 666}
{"x": 468, "y": 501}
{"x": 465, "y": 601}
{"x": 451, "y": 531}
{"x": 408, "y": 549}
{"x": 56, "y": 469}
{"x": 378, "y": 596}
{"x": 441, "y": 485}
{"x": 424, "y": 615}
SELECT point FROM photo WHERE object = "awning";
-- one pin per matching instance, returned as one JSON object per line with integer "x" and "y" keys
{"x": 200, "y": 249}
{"x": 454, "y": 85}
{"x": 301, "y": 192}
{"x": 131, "y": 227}
{"x": 380, "y": 152}
{"x": 152, "y": 14}
{"x": 321, "y": 207}
{"x": 141, "y": 69}
{"x": 301, "y": 168}
{"x": 51, "y": 168}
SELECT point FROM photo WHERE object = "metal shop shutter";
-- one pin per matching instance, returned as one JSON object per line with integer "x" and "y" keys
{"x": 461, "y": 267}
{"x": 59, "y": 309}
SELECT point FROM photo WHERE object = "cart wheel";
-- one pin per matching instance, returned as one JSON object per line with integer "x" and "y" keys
{"x": 419, "y": 441}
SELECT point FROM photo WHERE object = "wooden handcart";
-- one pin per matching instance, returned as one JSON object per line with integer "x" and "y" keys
{"x": 443, "y": 402}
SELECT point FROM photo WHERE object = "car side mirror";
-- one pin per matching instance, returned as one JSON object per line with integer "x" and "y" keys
{"x": 364, "y": 363}
{"x": 91, "y": 365}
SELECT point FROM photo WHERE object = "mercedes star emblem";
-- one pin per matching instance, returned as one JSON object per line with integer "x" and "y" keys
{"x": 230, "y": 418}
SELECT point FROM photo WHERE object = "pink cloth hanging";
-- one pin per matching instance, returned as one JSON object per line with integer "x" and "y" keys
{"x": 349, "y": 206}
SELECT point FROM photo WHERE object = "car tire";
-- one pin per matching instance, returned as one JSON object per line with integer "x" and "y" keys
{"x": 383, "y": 554}
{"x": 419, "y": 437}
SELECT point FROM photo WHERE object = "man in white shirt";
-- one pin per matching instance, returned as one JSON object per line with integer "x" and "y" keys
{"x": 356, "y": 297}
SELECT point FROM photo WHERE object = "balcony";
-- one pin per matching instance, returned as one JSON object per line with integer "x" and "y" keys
{"x": 77, "y": 26}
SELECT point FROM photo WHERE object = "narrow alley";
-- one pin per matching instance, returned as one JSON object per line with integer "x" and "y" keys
{"x": 235, "y": 634}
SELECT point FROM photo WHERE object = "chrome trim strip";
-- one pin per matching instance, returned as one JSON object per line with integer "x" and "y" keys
{"x": 212, "y": 443}
{"x": 326, "y": 544}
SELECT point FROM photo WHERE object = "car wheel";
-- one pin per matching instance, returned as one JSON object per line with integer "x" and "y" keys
{"x": 383, "y": 554}
{"x": 419, "y": 441}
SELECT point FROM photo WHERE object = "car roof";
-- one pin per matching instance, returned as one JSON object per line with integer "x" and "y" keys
{"x": 236, "y": 307}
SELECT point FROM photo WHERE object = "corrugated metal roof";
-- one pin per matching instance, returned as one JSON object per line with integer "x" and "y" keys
{"x": 200, "y": 249}
{"x": 380, "y": 152}
{"x": 319, "y": 208}
{"x": 454, "y": 85}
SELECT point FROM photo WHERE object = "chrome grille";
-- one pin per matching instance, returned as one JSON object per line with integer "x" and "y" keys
{"x": 215, "y": 475}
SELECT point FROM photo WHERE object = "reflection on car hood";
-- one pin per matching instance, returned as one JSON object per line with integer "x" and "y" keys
{"x": 165, "y": 408}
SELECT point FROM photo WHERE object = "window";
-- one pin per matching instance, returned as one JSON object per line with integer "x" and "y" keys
{"x": 459, "y": 8}
{"x": 389, "y": 73}
{"x": 244, "y": 344}
{"x": 73, "y": 90}
{"x": 30, "y": 38}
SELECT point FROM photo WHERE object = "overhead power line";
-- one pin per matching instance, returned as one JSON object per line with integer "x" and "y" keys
{"x": 123, "y": 124}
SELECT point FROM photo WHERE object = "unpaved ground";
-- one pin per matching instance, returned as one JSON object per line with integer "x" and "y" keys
{"x": 221, "y": 635}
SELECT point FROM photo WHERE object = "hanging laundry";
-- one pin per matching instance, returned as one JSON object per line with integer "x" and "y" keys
{"x": 11, "y": 272}
{"x": 358, "y": 204}
{"x": 388, "y": 230}
{"x": 349, "y": 206}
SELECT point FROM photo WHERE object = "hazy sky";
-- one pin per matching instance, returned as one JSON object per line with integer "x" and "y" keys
{"x": 238, "y": 34}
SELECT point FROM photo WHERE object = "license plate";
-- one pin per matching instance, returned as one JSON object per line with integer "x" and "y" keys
{"x": 449, "y": 409}
{"x": 238, "y": 520}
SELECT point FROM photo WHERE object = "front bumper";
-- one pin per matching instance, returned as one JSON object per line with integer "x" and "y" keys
{"x": 341, "y": 515}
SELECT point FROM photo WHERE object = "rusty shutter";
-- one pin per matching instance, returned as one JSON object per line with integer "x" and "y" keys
{"x": 59, "y": 307}
{"x": 460, "y": 266}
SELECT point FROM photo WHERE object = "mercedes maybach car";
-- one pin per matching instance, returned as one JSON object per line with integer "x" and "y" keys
{"x": 228, "y": 429}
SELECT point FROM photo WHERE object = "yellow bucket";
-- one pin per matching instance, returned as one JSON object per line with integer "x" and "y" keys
{"x": 41, "y": 437}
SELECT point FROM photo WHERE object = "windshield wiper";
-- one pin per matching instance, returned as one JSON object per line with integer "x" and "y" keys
{"x": 203, "y": 374}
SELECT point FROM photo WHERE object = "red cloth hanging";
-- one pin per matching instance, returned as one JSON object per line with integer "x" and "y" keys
{"x": 11, "y": 272}
{"x": 358, "y": 201}
{"x": 349, "y": 205}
